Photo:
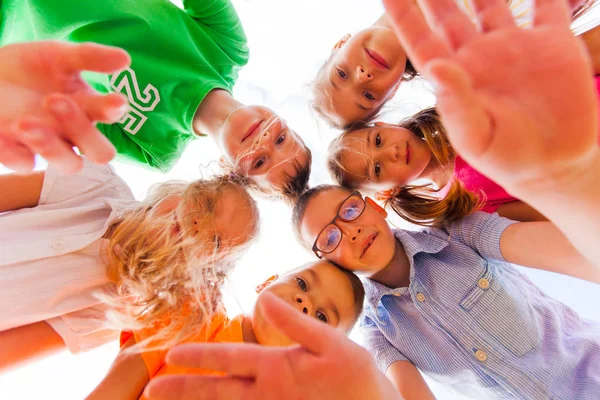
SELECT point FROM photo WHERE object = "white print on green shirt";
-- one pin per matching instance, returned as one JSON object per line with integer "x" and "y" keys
{"x": 126, "y": 82}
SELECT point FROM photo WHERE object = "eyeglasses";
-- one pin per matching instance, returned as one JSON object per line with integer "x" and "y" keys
{"x": 330, "y": 237}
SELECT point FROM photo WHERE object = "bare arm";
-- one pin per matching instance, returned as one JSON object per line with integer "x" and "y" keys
{"x": 20, "y": 191}
{"x": 519, "y": 211}
{"x": 126, "y": 379}
{"x": 409, "y": 382}
{"x": 542, "y": 245}
{"x": 28, "y": 343}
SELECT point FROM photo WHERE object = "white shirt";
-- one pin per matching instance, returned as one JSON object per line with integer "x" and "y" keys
{"x": 50, "y": 264}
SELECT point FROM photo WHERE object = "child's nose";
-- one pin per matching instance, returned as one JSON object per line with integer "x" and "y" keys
{"x": 264, "y": 139}
{"x": 363, "y": 74}
{"x": 303, "y": 303}
{"x": 393, "y": 152}
{"x": 349, "y": 230}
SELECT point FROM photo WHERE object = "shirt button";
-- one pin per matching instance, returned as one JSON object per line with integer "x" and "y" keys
{"x": 58, "y": 244}
{"x": 420, "y": 297}
{"x": 481, "y": 356}
{"x": 483, "y": 283}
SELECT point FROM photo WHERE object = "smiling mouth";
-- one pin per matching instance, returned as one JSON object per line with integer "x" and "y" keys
{"x": 376, "y": 59}
{"x": 253, "y": 130}
{"x": 368, "y": 243}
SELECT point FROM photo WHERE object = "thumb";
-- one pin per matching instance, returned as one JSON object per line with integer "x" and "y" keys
{"x": 467, "y": 123}
{"x": 311, "y": 334}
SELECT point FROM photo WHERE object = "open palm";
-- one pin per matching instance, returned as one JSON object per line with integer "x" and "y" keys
{"x": 518, "y": 105}
{"x": 34, "y": 77}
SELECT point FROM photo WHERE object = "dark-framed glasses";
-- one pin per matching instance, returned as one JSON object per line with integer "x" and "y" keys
{"x": 330, "y": 237}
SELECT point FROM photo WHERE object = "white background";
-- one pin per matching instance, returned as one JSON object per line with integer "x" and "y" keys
{"x": 288, "y": 40}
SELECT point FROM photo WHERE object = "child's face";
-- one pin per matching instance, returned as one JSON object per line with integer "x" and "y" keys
{"x": 367, "y": 243}
{"x": 383, "y": 157}
{"x": 211, "y": 219}
{"x": 261, "y": 146}
{"x": 362, "y": 75}
{"x": 318, "y": 289}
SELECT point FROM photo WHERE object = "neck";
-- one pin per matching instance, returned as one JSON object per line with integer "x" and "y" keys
{"x": 248, "y": 330}
{"x": 397, "y": 272}
{"x": 438, "y": 173}
{"x": 213, "y": 112}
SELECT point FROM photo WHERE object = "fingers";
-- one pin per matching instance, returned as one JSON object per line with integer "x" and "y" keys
{"x": 240, "y": 360}
{"x": 93, "y": 57}
{"x": 79, "y": 130}
{"x": 310, "y": 333}
{"x": 493, "y": 14}
{"x": 467, "y": 123}
{"x": 449, "y": 21}
{"x": 200, "y": 387}
{"x": 15, "y": 156}
{"x": 107, "y": 109}
{"x": 551, "y": 12}
{"x": 45, "y": 141}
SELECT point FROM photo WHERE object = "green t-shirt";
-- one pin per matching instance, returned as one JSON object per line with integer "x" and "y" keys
{"x": 178, "y": 56}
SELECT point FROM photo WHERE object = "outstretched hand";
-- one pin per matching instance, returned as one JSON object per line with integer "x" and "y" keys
{"x": 518, "y": 105}
{"x": 46, "y": 108}
{"x": 325, "y": 365}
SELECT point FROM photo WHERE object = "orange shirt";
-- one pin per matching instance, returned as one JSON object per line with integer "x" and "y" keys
{"x": 219, "y": 329}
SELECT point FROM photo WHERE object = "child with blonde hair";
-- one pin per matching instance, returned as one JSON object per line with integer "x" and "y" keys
{"x": 80, "y": 254}
{"x": 319, "y": 289}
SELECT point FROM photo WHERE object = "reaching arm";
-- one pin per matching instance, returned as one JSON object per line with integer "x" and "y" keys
{"x": 409, "y": 382}
{"x": 25, "y": 344}
{"x": 541, "y": 245}
{"x": 126, "y": 379}
{"x": 519, "y": 211}
{"x": 20, "y": 191}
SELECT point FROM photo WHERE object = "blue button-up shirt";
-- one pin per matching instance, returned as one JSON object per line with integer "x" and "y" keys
{"x": 471, "y": 321}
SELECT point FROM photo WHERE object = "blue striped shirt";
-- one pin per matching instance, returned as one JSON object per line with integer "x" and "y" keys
{"x": 471, "y": 321}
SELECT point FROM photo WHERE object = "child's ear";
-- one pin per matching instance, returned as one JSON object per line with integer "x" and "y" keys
{"x": 342, "y": 41}
{"x": 266, "y": 283}
{"x": 376, "y": 206}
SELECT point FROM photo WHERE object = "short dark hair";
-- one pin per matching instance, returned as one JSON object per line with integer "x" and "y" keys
{"x": 298, "y": 184}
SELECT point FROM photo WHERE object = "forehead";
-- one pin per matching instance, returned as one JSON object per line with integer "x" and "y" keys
{"x": 233, "y": 206}
{"x": 355, "y": 157}
{"x": 320, "y": 210}
{"x": 342, "y": 102}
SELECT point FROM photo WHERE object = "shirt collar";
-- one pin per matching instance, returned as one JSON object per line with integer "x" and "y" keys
{"x": 426, "y": 241}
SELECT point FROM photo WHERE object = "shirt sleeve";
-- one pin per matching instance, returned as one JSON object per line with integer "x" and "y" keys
{"x": 59, "y": 187}
{"x": 221, "y": 18}
{"x": 84, "y": 329}
{"x": 481, "y": 232}
{"x": 381, "y": 349}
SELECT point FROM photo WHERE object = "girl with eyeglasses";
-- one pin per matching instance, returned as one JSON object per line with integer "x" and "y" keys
{"x": 448, "y": 302}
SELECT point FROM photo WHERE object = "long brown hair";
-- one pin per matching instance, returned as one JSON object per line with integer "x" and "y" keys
{"x": 418, "y": 204}
{"x": 159, "y": 273}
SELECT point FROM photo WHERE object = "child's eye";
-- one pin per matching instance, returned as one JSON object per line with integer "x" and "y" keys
{"x": 302, "y": 284}
{"x": 377, "y": 169}
{"x": 322, "y": 316}
{"x": 369, "y": 96}
{"x": 377, "y": 140}
{"x": 350, "y": 212}
{"x": 341, "y": 73}
{"x": 280, "y": 140}
{"x": 259, "y": 163}
{"x": 332, "y": 238}
{"x": 217, "y": 241}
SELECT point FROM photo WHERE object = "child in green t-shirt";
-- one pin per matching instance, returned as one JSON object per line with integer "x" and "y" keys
{"x": 184, "y": 65}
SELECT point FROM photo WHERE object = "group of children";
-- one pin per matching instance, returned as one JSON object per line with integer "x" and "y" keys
{"x": 445, "y": 300}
